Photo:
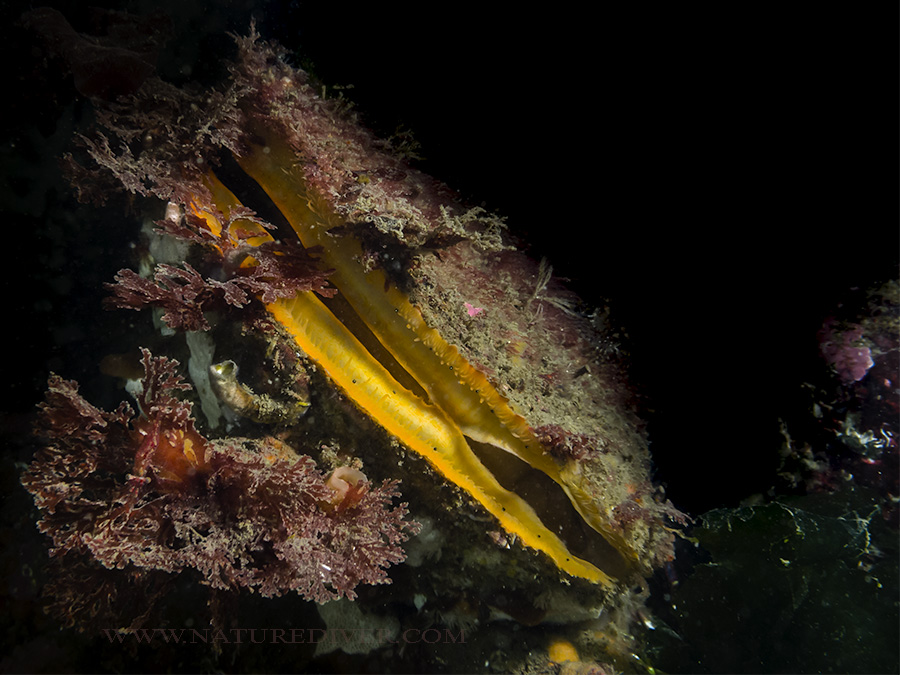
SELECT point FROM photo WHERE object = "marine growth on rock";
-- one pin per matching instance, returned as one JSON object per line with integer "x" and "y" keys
{"x": 431, "y": 351}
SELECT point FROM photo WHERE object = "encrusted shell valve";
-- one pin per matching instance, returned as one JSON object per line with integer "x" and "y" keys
{"x": 260, "y": 408}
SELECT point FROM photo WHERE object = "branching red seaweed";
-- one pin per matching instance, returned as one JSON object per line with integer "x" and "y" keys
{"x": 280, "y": 269}
{"x": 183, "y": 293}
{"x": 147, "y": 493}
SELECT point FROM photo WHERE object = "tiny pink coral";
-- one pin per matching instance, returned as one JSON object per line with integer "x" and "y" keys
{"x": 472, "y": 310}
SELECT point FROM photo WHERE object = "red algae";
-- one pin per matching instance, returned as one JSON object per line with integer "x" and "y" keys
{"x": 147, "y": 493}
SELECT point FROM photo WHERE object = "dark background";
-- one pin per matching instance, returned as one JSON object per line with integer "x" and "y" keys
{"x": 721, "y": 178}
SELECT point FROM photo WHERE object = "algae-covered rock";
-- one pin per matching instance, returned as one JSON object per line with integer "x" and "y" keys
{"x": 804, "y": 584}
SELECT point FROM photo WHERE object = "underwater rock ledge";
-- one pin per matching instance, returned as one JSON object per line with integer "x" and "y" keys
{"x": 438, "y": 354}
